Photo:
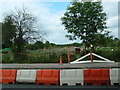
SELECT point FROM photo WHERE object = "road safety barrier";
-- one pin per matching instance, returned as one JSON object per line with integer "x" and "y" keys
{"x": 115, "y": 76}
{"x": 26, "y": 76}
{"x": 48, "y": 77}
{"x": 96, "y": 77}
{"x": 0, "y": 75}
{"x": 71, "y": 77}
{"x": 8, "y": 76}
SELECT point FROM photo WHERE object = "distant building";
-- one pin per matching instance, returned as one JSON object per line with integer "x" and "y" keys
{"x": 77, "y": 50}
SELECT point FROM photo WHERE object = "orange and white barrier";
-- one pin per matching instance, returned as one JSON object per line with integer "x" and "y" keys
{"x": 70, "y": 77}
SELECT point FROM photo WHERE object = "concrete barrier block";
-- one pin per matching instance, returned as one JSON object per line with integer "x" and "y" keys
{"x": 71, "y": 77}
{"x": 26, "y": 76}
{"x": 115, "y": 76}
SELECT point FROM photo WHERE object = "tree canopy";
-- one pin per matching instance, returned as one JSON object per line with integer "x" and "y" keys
{"x": 84, "y": 20}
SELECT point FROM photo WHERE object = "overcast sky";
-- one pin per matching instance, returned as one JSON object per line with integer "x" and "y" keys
{"x": 49, "y": 13}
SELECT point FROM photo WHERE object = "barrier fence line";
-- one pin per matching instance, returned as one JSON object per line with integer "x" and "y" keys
{"x": 70, "y": 77}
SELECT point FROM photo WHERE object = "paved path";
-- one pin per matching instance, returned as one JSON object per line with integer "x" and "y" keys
{"x": 39, "y": 87}
{"x": 60, "y": 66}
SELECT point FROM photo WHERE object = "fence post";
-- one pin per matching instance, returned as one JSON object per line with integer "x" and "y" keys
{"x": 61, "y": 60}
{"x": 68, "y": 57}
{"x": 91, "y": 58}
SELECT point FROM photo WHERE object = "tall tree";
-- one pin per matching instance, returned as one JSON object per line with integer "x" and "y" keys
{"x": 25, "y": 25}
{"x": 84, "y": 20}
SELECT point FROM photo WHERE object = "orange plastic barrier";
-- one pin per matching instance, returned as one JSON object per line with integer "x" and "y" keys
{"x": 96, "y": 77}
{"x": 8, "y": 76}
{"x": 0, "y": 75}
{"x": 48, "y": 77}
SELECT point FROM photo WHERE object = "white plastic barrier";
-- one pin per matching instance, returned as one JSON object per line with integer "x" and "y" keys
{"x": 71, "y": 77}
{"x": 26, "y": 76}
{"x": 115, "y": 76}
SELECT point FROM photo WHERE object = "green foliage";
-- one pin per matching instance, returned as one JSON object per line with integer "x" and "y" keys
{"x": 105, "y": 40}
{"x": 7, "y": 59}
{"x": 20, "y": 57}
{"x": 72, "y": 44}
{"x": 35, "y": 46}
{"x": 47, "y": 44}
{"x": 8, "y": 32}
{"x": 39, "y": 45}
{"x": 84, "y": 20}
{"x": 54, "y": 58}
{"x": 39, "y": 56}
{"x": 112, "y": 55}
